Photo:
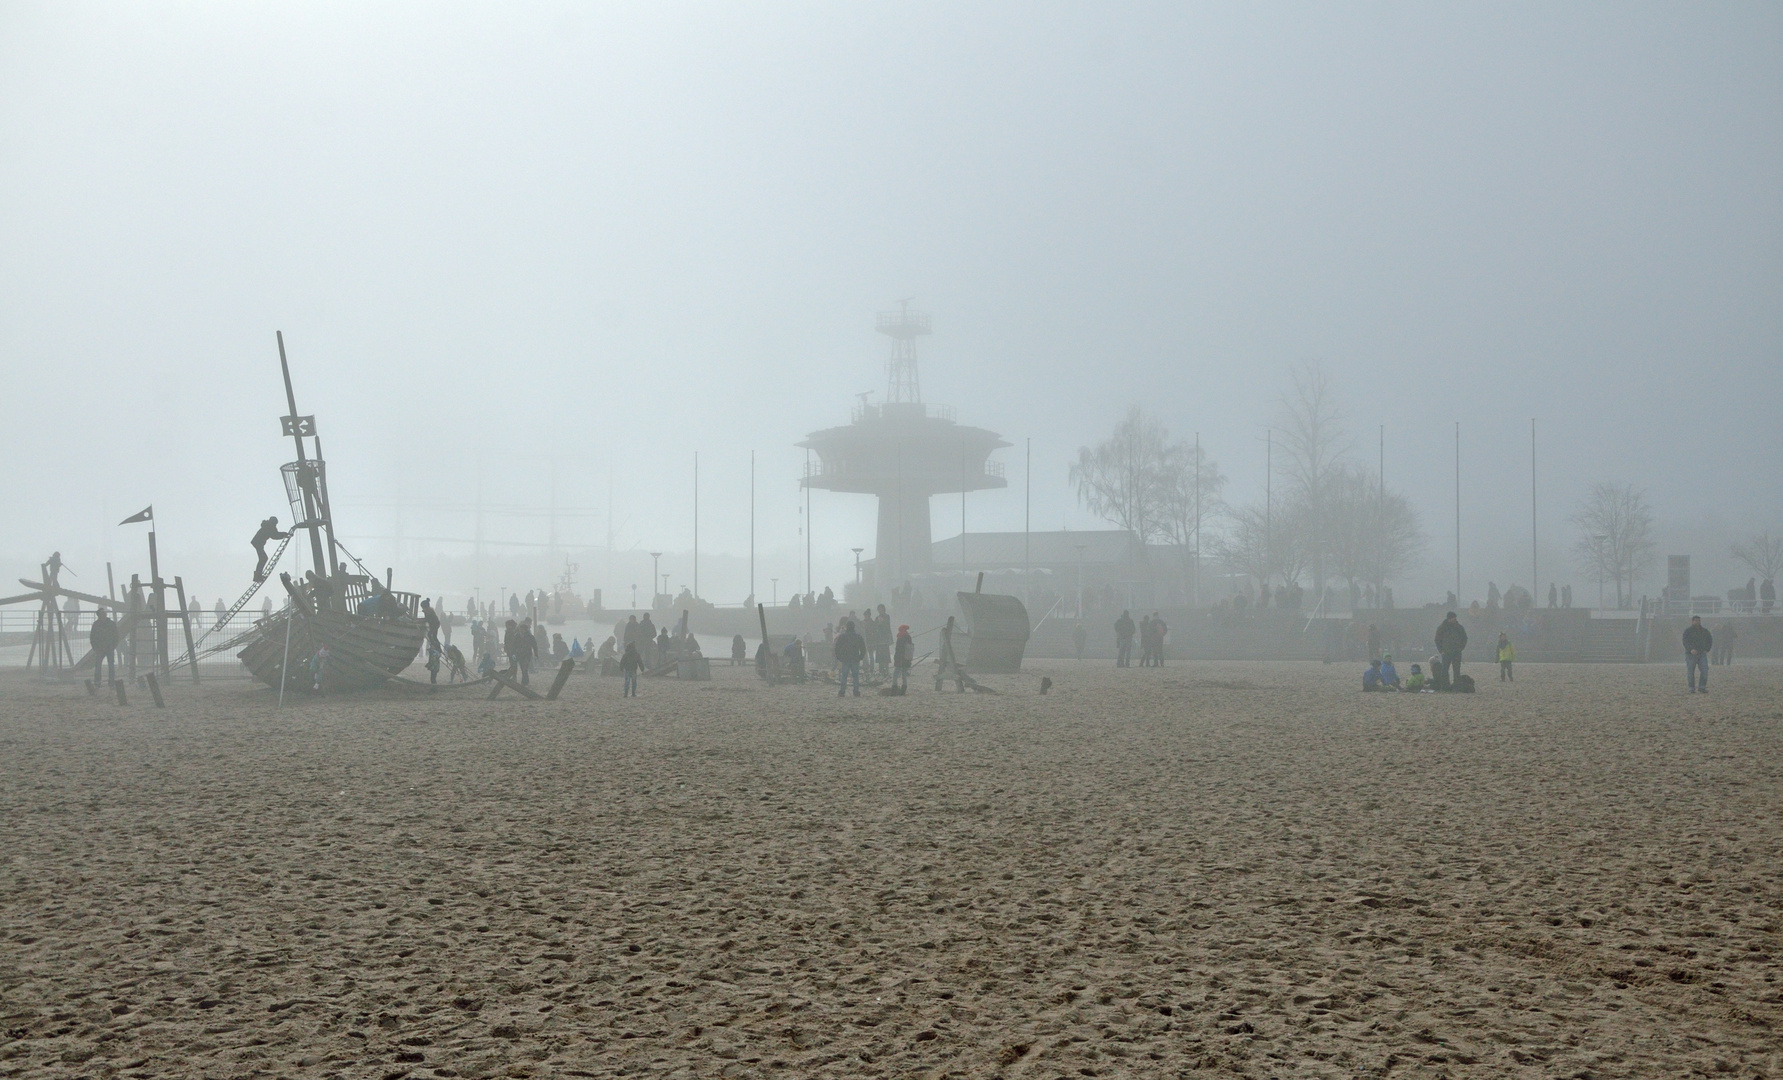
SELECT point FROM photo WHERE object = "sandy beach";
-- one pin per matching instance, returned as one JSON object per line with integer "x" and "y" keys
{"x": 1231, "y": 869}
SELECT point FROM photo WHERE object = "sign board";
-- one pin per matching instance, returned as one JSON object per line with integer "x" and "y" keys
{"x": 298, "y": 425}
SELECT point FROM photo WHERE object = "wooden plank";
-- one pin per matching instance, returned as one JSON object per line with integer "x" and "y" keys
{"x": 563, "y": 676}
{"x": 503, "y": 679}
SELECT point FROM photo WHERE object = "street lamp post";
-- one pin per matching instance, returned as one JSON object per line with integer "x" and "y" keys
{"x": 634, "y": 596}
{"x": 774, "y": 596}
{"x": 857, "y": 565}
{"x": 655, "y": 574}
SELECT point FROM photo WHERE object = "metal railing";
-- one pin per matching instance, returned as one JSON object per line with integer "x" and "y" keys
{"x": 866, "y": 411}
{"x": 840, "y": 470}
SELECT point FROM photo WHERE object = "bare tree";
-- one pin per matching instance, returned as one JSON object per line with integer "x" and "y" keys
{"x": 1615, "y": 536}
{"x": 1314, "y": 443}
{"x": 1268, "y": 546}
{"x": 1121, "y": 479}
{"x": 1762, "y": 555}
{"x": 1189, "y": 500}
{"x": 1373, "y": 536}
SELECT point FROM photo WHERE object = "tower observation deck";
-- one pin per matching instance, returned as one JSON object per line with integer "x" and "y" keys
{"x": 905, "y": 452}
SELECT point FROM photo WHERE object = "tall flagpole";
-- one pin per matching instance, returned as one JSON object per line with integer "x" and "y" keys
{"x": 1535, "y": 566}
{"x": 1457, "y": 514}
{"x": 807, "y": 521}
{"x": 696, "y": 524}
{"x": 752, "y": 526}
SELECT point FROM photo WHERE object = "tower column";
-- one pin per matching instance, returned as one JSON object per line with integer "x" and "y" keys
{"x": 903, "y": 543}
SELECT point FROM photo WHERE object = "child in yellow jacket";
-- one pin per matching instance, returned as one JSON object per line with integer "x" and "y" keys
{"x": 1507, "y": 654}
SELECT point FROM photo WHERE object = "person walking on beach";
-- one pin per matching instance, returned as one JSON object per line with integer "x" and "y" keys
{"x": 1697, "y": 643}
{"x": 1123, "y": 640}
{"x": 949, "y": 664}
{"x": 1507, "y": 655}
{"x": 903, "y": 659}
{"x": 103, "y": 638}
{"x": 628, "y": 668}
{"x": 1451, "y": 640}
{"x": 518, "y": 643}
{"x": 882, "y": 641}
{"x": 1725, "y": 636}
{"x": 850, "y": 649}
{"x": 1160, "y": 630}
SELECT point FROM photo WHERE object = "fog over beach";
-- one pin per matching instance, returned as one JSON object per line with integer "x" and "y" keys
{"x": 988, "y": 540}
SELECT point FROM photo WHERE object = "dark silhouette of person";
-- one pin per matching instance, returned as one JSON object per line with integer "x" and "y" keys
{"x": 850, "y": 649}
{"x": 629, "y": 664}
{"x": 269, "y": 530}
{"x": 1124, "y": 630}
{"x": 903, "y": 659}
{"x": 1451, "y": 640}
{"x": 432, "y": 620}
{"x": 1697, "y": 643}
{"x": 1553, "y": 595}
{"x": 103, "y": 638}
{"x": 1767, "y": 595}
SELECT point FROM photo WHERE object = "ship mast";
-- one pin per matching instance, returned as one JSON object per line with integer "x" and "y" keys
{"x": 312, "y": 481}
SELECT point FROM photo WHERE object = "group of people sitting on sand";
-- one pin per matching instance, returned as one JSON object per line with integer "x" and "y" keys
{"x": 1445, "y": 666}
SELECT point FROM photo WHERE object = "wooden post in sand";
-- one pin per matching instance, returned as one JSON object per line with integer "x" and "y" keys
{"x": 179, "y": 587}
{"x": 773, "y": 657}
{"x": 155, "y": 691}
{"x": 563, "y": 676}
{"x": 118, "y": 685}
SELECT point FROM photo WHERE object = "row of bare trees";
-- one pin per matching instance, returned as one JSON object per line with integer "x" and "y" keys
{"x": 1327, "y": 516}
{"x": 1333, "y": 518}
{"x": 1161, "y": 489}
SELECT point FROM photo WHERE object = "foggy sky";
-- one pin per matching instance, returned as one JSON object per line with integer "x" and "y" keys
{"x": 498, "y": 235}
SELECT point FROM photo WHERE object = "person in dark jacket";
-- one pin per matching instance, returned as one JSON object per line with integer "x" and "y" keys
{"x": 851, "y": 649}
{"x": 104, "y": 640}
{"x": 518, "y": 644}
{"x": 628, "y": 667}
{"x": 269, "y": 530}
{"x": 903, "y": 659}
{"x": 1123, "y": 640}
{"x": 1697, "y": 643}
{"x": 431, "y": 619}
{"x": 1451, "y": 639}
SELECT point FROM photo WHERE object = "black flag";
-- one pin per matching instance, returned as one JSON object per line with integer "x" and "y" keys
{"x": 148, "y": 514}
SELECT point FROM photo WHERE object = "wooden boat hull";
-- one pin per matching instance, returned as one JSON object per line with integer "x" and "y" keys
{"x": 363, "y": 651}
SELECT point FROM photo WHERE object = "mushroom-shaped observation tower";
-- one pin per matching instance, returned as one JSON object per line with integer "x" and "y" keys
{"x": 905, "y": 452}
